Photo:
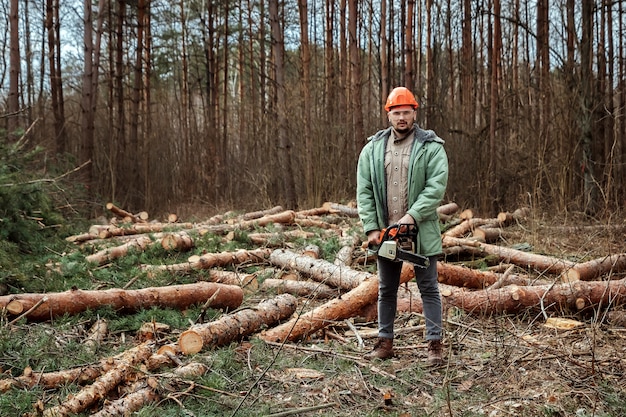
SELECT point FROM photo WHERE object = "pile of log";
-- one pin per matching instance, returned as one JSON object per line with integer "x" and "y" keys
{"x": 304, "y": 294}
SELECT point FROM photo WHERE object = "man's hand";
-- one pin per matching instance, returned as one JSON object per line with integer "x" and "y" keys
{"x": 406, "y": 219}
{"x": 373, "y": 238}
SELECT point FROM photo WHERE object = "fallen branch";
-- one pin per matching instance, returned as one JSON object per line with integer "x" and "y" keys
{"x": 89, "y": 395}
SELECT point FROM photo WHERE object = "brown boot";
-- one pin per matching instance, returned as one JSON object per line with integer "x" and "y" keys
{"x": 434, "y": 353}
{"x": 383, "y": 349}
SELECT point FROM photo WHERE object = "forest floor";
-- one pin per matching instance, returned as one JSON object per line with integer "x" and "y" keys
{"x": 500, "y": 365}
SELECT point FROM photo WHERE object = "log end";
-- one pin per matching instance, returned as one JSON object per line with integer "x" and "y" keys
{"x": 190, "y": 342}
{"x": 15, "y": 307}
{"x": 570, "y": 275}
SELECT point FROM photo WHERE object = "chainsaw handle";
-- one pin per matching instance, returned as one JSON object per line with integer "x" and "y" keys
{"x": 390, "y": 232}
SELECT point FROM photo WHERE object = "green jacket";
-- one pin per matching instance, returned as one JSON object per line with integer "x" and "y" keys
{"x": 427, "y": 179}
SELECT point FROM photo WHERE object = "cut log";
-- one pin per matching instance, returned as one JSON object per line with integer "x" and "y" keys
{"x": 487, "y": 234}
{"x": 587, "y": 271}
{"x": 319, "y": 270}
{"x": 318, "y": 211}
{"x": 212, "y": 260}
{"x": 136, "y": 229}
{"x": 246, "y": 281}
{"x": 173, "y": 296}
{"x": 89, "y": 395}
{"x": 299, "y": 288}
{"x": 129, "y": 403}
{"x": 180, "y": 241}
{"x": 448, "y": 209}
{"x": 237, "y": 325}
{"x": 466, "y": 214}
{"x": 346, "y": 210}
{"x": 106, "y": 255}
{"x": 278, "y": 239}
{"x": 506, "y": 218}
{"x": 312, "y": 251}
{"x": 541, "y": 263}
{"x": 123, "y": 214}
{"x": 348, "y": 305}
{"x": 97, "y": 333}
{"x": 574, "y": 297}
{"x": 468, "y": 225}
{"x": 308, "y": 222}
{"x": 261, "y": 213}
{"x": 147, "y": 393}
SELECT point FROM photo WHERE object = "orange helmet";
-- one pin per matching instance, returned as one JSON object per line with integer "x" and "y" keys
{"x": 400, "y": 96}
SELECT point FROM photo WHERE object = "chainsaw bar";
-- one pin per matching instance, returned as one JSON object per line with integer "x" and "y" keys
{"x": 389, "y": 250}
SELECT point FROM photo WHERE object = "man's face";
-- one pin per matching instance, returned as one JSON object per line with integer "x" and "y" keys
{"x": 402, "y": 118}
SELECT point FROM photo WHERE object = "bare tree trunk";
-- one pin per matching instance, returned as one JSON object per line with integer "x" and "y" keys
{"x": 278, "y": 49}
{"x": 384, "y": 60}
{"x": 56, "y": 81}
{"x": 122, "y": 150}
{"x": 355, "y": 79}
{"x": 13, "y": 104}
{"x": 135, "y": 148}
{"x": 87, "y": 119}
{"x": 410, "y": 46}
{"x": 493, "y": 114}
{"x": 590, "y": 187}
{"x": 305, "y": 56}
{"x": 329, "y": 67}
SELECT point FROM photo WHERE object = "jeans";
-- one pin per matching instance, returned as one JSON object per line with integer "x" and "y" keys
{"x": 388, "y": 283}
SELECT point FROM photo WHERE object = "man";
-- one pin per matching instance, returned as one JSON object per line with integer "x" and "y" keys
{"x": 402, "y": 175}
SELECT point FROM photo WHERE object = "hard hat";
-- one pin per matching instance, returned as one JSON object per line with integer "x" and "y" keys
{"x": 400, "y": 96}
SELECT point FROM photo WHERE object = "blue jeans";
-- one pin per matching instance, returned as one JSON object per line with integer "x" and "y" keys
{"x": 388, "y": 283}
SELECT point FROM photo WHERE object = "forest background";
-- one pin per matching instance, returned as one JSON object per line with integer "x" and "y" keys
{"x": 175, "y": 106}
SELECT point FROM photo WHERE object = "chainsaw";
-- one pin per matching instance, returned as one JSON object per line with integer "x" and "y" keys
{"x": 398, "y": 242}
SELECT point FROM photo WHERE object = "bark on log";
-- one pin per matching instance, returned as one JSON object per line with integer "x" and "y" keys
{"x": 129, "y": 403}
{"x": 506, "y": 218}
{"x": 468, "y": 225}
{"x": 285, "y": 217}
{"x": 348, "y": 305}
{"x": 308, "y": 222}
{"x": 106, "y": 255}
{"x": 278, "y": 239}
{"x": 538, "y": 262}
{"x": 318, "y": 211}
{"x": 123, "y": 214}
{"x": 487, "y": 234}
{"x": 140, "y": 228}
{"x": 180, "y": 241}
{"x": 245, "y": 281}
{"x": 587, "y": 271}
{"x": 300, "y": 288}
{"x": 448, "y": 209}
{"x": 103, "y": 384}
{"x": 460, "y": 276}
{"x": 345, "y": 209}
{"x": 97, "y": 333}
{"x": 147, "y": 393}
{"x": 237, "y": 325}
{"x": 573, "y": 297}
{"x": 212, "y": 260}
{"x": 174, "y": 296}
{"x": 319, "y": 270}
{"x": 258, "y": 214}
{"x": 349, "y": 244}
